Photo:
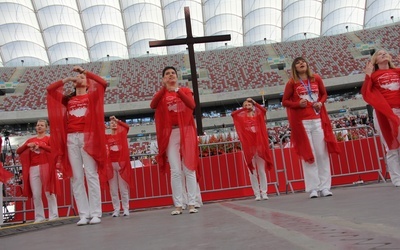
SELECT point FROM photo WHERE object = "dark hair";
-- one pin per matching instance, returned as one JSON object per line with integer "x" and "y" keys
{"x": 167, "y": 68}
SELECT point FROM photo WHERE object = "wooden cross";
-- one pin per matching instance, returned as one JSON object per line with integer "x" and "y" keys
{"x": 190, "y": 41}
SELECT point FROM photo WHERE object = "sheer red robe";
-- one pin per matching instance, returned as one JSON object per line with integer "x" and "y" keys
{"x": 94, "y": 136}
{"x": 48, "y": 173}
{"x": 4, "y": 174}
{"x": 253, "y": 142}
{"x": 299, "y": 138}
{"x": 120, "y": 140}
{"x": 388, "y": 121}
{"x": 189, "y": 143}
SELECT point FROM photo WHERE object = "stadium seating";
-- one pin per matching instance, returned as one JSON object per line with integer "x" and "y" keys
{"x": 226, "y": 70}
{"x": 6, "y": 73}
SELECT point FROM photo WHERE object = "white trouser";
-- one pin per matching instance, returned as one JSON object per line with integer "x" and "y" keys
{"x": 317, "y": 175}
{"x": 198, "y": 201}
{"x": 115, "y": 183}
{"x": 177, "y": 167}
{"x": 1, "y": 203}
{"x": 392, "y": 156}
{"x": 36, "y": 187}
{"x": 84, "y": 165}
{"x": 259, "y": 166}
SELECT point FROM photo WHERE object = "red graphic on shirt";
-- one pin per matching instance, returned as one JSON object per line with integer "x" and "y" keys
{"x": 389, "y": 81}
{"x": 77, "y": 106}
{"x": 174, "y": 104}
{"x": 302, "y": 92}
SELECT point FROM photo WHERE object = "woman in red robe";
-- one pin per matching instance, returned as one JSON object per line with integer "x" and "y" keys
{"x": 176, "y": 137}
{"x": 250, "y": 125}
{"x": 78, "y": 138}
{"x": 38, "y": 174}
{"x": 381, "y": 89}
{"x": 311, "y": 131}
{"x": 119, "y": 164}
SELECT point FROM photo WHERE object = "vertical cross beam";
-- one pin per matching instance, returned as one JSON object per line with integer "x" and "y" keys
{"x": 190, "y": 41}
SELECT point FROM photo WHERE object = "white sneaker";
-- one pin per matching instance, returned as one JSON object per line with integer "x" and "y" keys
{"x": 39, "y": 220}
{"x": 326, "y": 193}
{"x": 314, "y": 194}
{"x": 115, "y": 214}
{"x": 95, "y": 220}
{"x": 258, "y": 198}
{"x": 82, "y": 222}
{"x": 264, "y": 196}
{"x": 126, "y": 213}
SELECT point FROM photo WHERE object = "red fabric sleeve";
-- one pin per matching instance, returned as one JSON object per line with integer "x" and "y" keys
{"x": 157, "y": 98}
{"x": 22, "y": 148}
{"x": 57, "y": 113}
{"x": 5, "y": 175}
{"x": 287, "y": 96}
{"x": 323, "y": 95}
{"x": 24, "y": 156}
{"x": 94, "y": 136}
{"x": 187, "y": 98}
{"x": 125, "y": 160}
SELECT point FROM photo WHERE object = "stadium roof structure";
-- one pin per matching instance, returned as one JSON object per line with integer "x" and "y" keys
{"x": 51, "y": 32}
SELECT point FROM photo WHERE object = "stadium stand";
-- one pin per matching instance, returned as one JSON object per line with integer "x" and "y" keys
{"x": 225, "y": 70}
{"x": 6, "y": 73}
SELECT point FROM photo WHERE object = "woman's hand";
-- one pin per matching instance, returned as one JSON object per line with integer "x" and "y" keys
{"x": 303, "y": 103}
{"x": 369, "y": 68}
{"x": 33, "y": 146}
{"x": 78, "y": 69}
{"x": 317, "y": 106}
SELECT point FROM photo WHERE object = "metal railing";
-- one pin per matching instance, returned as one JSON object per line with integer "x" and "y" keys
{"x": 223, "y": 174}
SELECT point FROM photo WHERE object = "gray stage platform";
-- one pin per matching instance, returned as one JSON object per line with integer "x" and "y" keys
{"x": 359, "y": 217}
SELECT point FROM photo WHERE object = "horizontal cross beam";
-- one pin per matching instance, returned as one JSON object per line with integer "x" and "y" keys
{"x": 190, "y": 40}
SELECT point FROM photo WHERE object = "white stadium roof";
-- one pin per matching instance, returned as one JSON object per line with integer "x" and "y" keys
{"x": 47, "y": 32}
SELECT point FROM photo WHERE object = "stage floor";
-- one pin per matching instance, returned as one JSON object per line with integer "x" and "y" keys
{"x": 356, "y": 217}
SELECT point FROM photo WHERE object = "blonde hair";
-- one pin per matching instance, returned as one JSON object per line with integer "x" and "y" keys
{"x": 375, "y": 55}
{"x": 245, "y": 103}
{"x": 295, "y": 75}
{"x": 43, "y": 120}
